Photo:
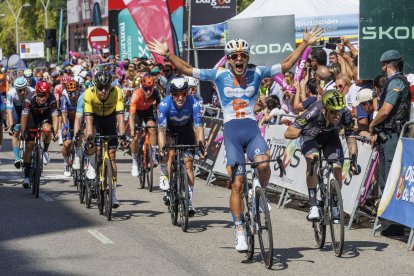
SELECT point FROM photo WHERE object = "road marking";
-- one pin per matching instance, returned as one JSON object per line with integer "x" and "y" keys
{"x": 51, "y": 170}
{"x": 46, "y": 197}
{"x": 101, "y": 237}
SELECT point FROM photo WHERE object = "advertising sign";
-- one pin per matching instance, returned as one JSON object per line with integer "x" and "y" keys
{"x": 273, "y": 43}
{"x": 209, "y": 35}
{"x": 29, "y": 50}
{"x": 205, "y": 12}
{"x": 397, "y": 202}
{"x": 385, "y": 25}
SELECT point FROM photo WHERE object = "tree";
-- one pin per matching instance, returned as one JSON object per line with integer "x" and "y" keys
{"x": 242, "y": 4}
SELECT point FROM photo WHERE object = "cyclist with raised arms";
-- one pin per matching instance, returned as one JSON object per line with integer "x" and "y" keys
{"x": 68, "y": 104}
{"x": 104, "y": 111}
{"x": 16, "y": 99}
{"x": 238, "y": 89}
{"x": 40, "y": 110}
{"x": 142, "y": 110}
{"x": 179, "y": 113}
{"x": 320, "y": 125}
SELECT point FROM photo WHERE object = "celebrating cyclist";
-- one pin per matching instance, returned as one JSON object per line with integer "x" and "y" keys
{"x": 238, "y": 89}
{"x": 39, "y": 110}
{"x": 141, "y": 111}
{"x": 181, "y": 114}
{"x": 68, "y": 104}
{"x": 320, "y": 125}
{"x": 104, "y": 111}
{"x": 16, "y": 99}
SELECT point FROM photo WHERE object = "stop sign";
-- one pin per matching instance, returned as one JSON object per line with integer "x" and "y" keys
{"x": 99, "y": 36}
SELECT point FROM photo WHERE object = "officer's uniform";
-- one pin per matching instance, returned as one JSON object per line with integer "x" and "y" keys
{"x": 397, "y": 93}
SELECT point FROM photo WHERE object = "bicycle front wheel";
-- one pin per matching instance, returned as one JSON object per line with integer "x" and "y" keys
{"x": 141, "y": 169}
{"x": 38, "y": 171}
{"x": 88, "y": 193}
{"x": 150, "y": 168}
{"x": 319, "y": 227}
{"x": 264, "y": 228}
{"x": 173, "y": 196}
{"x": 336, "y": 218}
{"x": 108, "y": 189}
{"x": 249, "y": 225}
{"x": 184, "y": 199}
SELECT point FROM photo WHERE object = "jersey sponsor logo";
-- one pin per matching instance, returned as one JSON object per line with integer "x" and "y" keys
{"x": 231, "y": 92}
{"x": 163, "y": 104}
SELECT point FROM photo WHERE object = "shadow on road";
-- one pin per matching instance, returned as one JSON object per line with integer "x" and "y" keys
{"x": 352, "y": 249}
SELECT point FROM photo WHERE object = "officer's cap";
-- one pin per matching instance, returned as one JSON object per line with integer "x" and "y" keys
{"x": 390, "y": 55}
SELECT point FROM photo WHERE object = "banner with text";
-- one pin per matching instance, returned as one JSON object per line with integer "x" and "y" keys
{"x": 209, "y": 35}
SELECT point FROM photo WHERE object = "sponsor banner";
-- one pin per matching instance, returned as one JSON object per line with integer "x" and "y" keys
{"x": 220, "y": 164}
{"x": 212, "y": 128}
{"x": 379, "y": 31}
{"x": 28, "y": 50}
{"x": 209, "y": 35}
{"x": 217, "y": 11}
{"x": 176, "y": 10}
{"x": 131, "y": 43}
{"x": 273, "y": 43}
{"x": 397, "y": 202}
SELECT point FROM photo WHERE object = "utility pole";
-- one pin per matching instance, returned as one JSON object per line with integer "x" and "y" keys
{"x": 45, "y": 6}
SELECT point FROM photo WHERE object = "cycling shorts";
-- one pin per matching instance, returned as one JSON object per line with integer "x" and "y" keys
{"x": 106, "y": 125}
{"x": 143, "y": 116}
{"x": 186, "y": 136}
{"x": 332, "y": 147}
{"x": 240, "y": 134}
{"x": 69, "y": 135}
{"x": 33, "y": 124}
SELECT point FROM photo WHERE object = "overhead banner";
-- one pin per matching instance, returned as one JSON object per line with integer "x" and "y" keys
{"x": 30, "y": 50}
{"x": 385, "y": 25}
{"x": 397, "y": 202}
{"x": 213, "y": 35}
{"x": 131, "y": 43}
{"x": 144, "y": 13}
{"x": 271, "y": 38}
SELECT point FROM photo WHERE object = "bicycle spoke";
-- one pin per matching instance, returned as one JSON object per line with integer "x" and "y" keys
{"x": 336, "y": 218}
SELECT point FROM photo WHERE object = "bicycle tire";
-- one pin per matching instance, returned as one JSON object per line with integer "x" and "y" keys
{"x": 319, "y": 227}
{"x": 38, "y": 168}
{"x": 141, "y": 169}
{"x": 33, "y": 175}
{"x": 264, "y": 227}
{"x": 88, "y": 194}
{"x": 248, "y": 223}
{"x": 100, "y": 197}
{"x": 108, "y": 189}
{"x": 337, "y": 228}
{"x": 173, "y": 196}
{"x": 81, "y": 185}
{"x": 150, "y": 168}
{"x": 184, "y": 195}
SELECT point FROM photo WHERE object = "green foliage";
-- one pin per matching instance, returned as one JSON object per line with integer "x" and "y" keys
{"x": 242, "y": 4}
{"x": 31, "y": 22}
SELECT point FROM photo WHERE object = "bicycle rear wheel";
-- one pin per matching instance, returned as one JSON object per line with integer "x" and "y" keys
{"x": 100, "y": 196}
{"x": 264, "y": 228}
{"x": 319, "y": 227}
{"x": 88, "y": 193}
{"x": 141, "y": 169}
{"x": 184, "y": 199}
{"x": 38, "y": 171}
{"x": 108, "y": 189}
{"x": 173, "y": 196}
{"x": 81, "y": 185}
{"x": 336, "y": 224}
{"x": 150, "y": 168}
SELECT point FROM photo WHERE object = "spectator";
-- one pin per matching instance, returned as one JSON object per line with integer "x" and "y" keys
{"x": 333, "y": 58}
{"x": 307, "y": 96}
{"x": 318, "y": 58}
{"x": 264, "y": 86}
{"x": 365, "y": 102}
{"x": 325, "y": 78}
{"x": 273, "y": 108}
{"x": 343, "y": 84}
{"x": 335, "y": 70}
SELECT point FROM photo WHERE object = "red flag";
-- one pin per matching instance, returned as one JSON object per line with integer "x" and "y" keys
{"x": 153, "y": 21}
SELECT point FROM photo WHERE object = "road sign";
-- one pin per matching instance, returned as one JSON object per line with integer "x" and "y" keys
{"x": 98, "y": 36}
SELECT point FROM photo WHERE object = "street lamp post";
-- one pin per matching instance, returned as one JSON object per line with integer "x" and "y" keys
{"x": 16, "y": 19}
{"x": 45, "y": 6}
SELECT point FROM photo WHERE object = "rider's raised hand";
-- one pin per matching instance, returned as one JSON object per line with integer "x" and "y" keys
{"x": 160, "y": 48}
{"x": 311, "y": 36}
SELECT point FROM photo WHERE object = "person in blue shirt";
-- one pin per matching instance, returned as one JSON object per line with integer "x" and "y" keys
{"x": 180, "y": 114}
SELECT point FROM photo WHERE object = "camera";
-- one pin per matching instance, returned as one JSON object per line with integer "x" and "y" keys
{"x": 335, "y": 40}
{"x": 331, "y": 46}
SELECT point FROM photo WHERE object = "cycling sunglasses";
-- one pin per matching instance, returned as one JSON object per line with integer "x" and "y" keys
{"x": 147, "y": 89}
{"x": 41, "y": 95}
{"x": 21, "y": 90}
{"x": 102, "y": 87}
{"x": 236, "y": 55}
{"x": 178, "y": 94}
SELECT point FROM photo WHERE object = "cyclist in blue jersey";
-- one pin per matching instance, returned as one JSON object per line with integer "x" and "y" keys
{"x": 77, "y": 126}
{"x": 179, "y": 113}
{"x": 238, "y": 89}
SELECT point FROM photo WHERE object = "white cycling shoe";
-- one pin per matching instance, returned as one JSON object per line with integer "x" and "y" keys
{"x": 115, "y": 202}
{"x": 164, "y": 183}
{"x": 134, "y": 170}
{"x": 313, "y": 214}
{"x": 46, "y": 158}
{"x": 76, "y": 163}
{"x": 90, "y": 171}
{"x": 66, "y": 171}
{"x": 241, "y": 238}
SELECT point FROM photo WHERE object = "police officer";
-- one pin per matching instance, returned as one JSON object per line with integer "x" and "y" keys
{"x": 393, "y": 113}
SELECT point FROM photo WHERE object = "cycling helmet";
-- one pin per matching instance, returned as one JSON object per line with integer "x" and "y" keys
{"x": 38, "y": 74}
{"x": 333, "y": 100}
{"x": 28, "y": 73}
{"x": 192, "y": 82}
{"x": 20, "y": 83}
{"x": 42, "y": 87}
{"x": 178, "y": 85}
{"x": 102, "y": 79}
{"x": 148, "y": 81}
{"x": 65, "y": 79}
{"x": 79, "y": 80}
{"x": 72, "y": 86}
{"x": 237, "y": 45}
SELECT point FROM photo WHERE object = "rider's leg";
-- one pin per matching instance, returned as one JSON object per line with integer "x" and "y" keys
{"x": 152, "y": 138}
{"x": 16, "y": 144}
{"x": 67, "y": 144}
{"x": 134, "y": 155}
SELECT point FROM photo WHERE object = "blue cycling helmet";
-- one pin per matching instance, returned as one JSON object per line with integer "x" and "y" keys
{"x": 20, "y": 83}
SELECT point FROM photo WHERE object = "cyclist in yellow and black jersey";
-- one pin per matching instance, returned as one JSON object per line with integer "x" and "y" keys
{"x": 103, "y": 109}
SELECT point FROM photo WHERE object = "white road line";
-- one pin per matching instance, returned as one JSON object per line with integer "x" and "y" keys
{"x": 46, "y": 197}
{"x": 99, "y": 236}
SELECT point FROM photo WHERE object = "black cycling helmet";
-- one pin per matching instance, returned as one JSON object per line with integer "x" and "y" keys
{"x": 102, "y": 80}
{"x": 178, "y": 85}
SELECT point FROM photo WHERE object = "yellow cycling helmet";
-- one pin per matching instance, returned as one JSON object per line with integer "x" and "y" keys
{"x": 333, "y": 100}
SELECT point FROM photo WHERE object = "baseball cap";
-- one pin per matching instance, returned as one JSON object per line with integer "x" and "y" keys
{"x": 390, "y": 55}
{"x": 364, "y": 95}
{"x": 105, "y": 50}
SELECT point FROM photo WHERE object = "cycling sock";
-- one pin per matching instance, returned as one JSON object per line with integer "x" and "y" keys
{"x": 164, "y": 169}
{"x": 235, "y": 219}
{"x": 154, "y": 150}
{"x": 312, "y": 197}
{"x": 191, "y": 191}
{"x": 16, "y": 153}
{"x": 78, "y": 151}
{"x": 134, "y": 159}
{"x": 46, "y": 146}
{"x": 26, "y": 169}
{"x": 66, "y": 160}
{"x": 92, "y": 160}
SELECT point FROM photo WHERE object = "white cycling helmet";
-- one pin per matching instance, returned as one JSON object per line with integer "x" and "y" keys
{"x": 192, "y": 82}
{"x": 237, "y": 45}
{"x": 79, "y": 80}
{"x": 20, "y": 83}
{"x": 28, "y": 73}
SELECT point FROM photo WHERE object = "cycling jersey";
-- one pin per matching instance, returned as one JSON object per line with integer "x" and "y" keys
{"x": 40, "y": 110}
{"x": 67, "y": 106}
{"x": 15, "y": 104}
{"x": 237, "y": 99}
{"x": 169, "y": 114}
{"x": 94, "y": 106}
{"x": 80, "y": 104}
{"x": 139, "y": 102}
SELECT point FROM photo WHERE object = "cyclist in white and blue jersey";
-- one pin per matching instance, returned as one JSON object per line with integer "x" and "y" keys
{"x": 238, "y": 89}
{"x": 179, "y": 113}
{"x": 77, "y": 126}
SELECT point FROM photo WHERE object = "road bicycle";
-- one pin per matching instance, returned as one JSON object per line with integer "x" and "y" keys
{"x": 329, "y": 201}
{"x": 79, "y": 176}
{"x": 178, "y": 194}
{"x": 256, "y": 211}
{"x": 145, "y": 161}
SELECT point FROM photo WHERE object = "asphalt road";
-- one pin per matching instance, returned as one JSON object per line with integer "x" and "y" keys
{"x": 56, "y": 235}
